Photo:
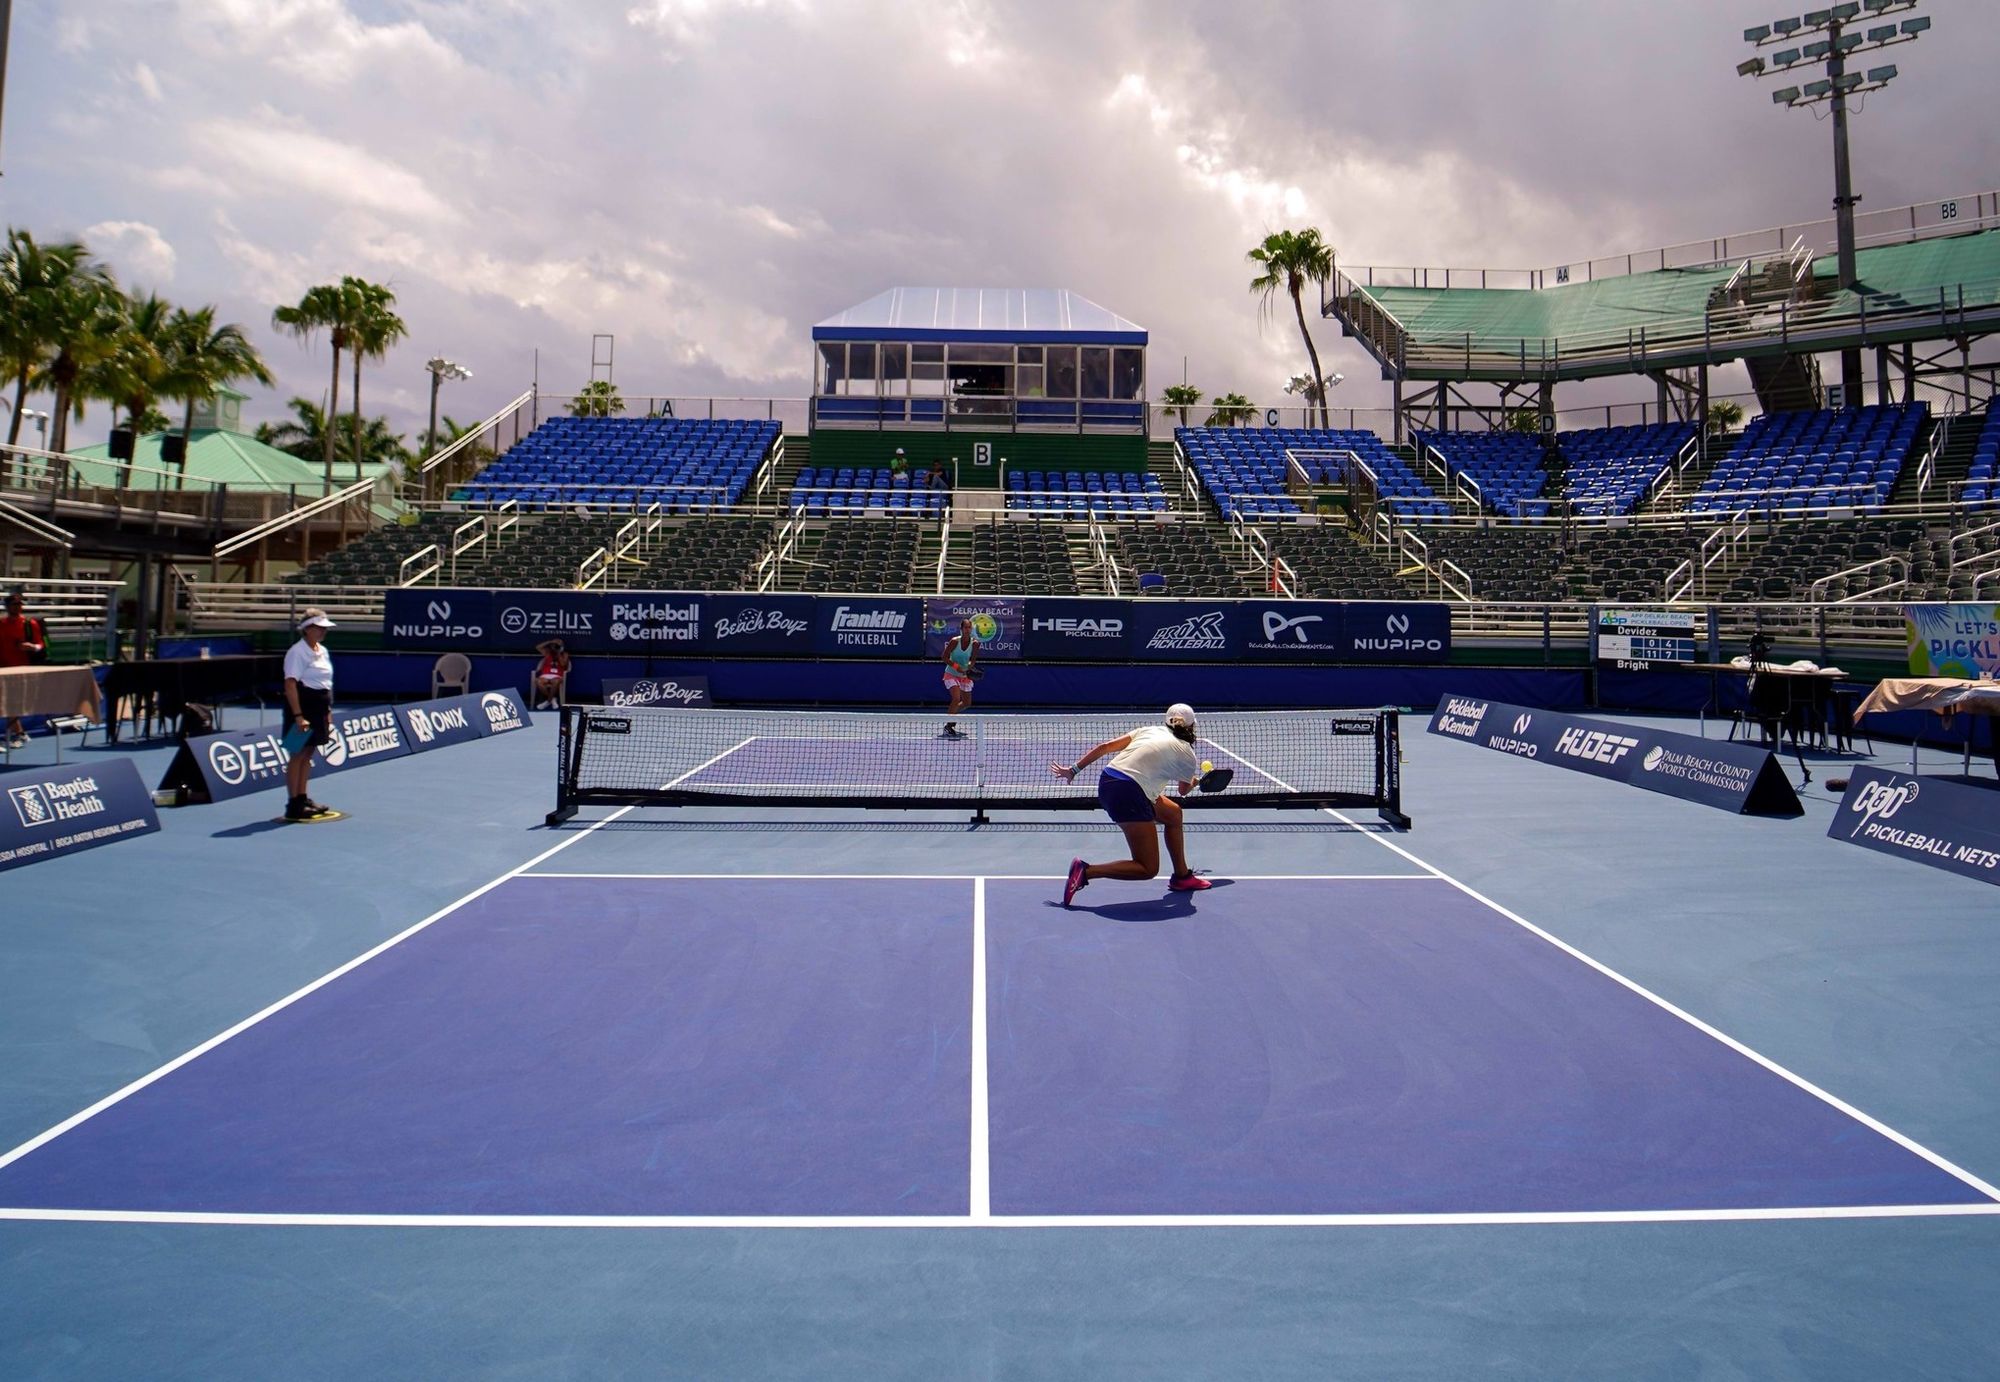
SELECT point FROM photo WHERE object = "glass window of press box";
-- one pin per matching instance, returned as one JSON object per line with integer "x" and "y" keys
{"x": 893, "y": 369}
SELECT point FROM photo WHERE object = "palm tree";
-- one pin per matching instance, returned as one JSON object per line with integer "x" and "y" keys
{"x": 1290, "y": 259}
{"x": 1182, "y": 397}
{"x": 599, "y": 398}
{"x": 373, "y": 327}
{"x": 85, "y": 320}
{"x": 203, "y": 357}
{"x": 1230, "y": 409}
{"x": 305, "y": 436}
{"x": 32, "y": 277}
{"x": 322, "y": 306}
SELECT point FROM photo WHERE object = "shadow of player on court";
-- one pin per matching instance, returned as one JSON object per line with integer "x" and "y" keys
{"x": 1145, "y": 911}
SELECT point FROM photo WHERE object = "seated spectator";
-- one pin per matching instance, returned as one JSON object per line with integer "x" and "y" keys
{"x": 935, "y": 476}
{"x": 899, "y": 464}
{"x": 550, "y": 675}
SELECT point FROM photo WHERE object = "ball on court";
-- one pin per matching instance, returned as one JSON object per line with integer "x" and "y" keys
{"x": 1207, "y": 766}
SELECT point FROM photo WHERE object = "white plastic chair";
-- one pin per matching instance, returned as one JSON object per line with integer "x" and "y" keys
{"x": 451, "y": 672}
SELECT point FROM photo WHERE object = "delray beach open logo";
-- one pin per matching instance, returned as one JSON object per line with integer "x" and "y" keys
{"x": 1200, "y": 633}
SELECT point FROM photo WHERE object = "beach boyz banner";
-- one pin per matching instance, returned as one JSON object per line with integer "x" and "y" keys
{"x": 65, "y": 809}
{"x": 1953, "y": 640}
{"x": 662, "y": 690}
{"x": 1731, "y": 776}
{"x": 218, "y": 767}
{"x": 996, "y": 623}
{"x": 1946, "y": 825}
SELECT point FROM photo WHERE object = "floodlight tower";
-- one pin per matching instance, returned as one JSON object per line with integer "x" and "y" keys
{"x": 1822, "y": 39}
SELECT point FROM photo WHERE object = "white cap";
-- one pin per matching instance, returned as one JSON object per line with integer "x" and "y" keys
{"x": 317, "y": 619}
{"x": 899, "y": 451}
{"x": 1180, "y": 713}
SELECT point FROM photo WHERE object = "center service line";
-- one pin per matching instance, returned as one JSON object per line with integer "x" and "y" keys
{"x": 982, "y": 1174}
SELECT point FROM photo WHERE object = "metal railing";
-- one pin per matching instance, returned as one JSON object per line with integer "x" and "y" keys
{"x": 230, "y": 605}
{"x": 407, "y": 577}
{"x": 1821, "y": 589}
{"x": 508, "y": 412}
{"x": 360, "y": 490}
{"x": 74, "y": 610}
{"x": 1969, "y": 536}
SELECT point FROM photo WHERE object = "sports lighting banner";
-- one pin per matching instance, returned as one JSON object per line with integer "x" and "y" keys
{"x": 1740, "y": 778}
{"x": 65, "y": 809}
{"x": 996, "y": 623}
{"x": 1944, "y": 824}
{"x": 1077, "y": 630}
{"x": 689, "y": 692}
{"x": 218, "y": 767}
{"x": 856, "y": 626}
{"x": 1953, "y": 640}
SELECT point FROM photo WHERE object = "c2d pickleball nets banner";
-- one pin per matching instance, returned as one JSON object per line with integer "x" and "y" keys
{"x": 1946, "y": 825}
{"x": 61, "y": 810}
{"x": 1740, "y": 778}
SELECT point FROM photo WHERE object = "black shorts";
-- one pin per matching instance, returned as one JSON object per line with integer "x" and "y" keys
{"x": 1123, "y": 799}
{"x": 317, "y": 707}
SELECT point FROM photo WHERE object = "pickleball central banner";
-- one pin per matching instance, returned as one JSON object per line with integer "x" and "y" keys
{"x": 1953, "y": 640}
{"x": 1734, "y": 777}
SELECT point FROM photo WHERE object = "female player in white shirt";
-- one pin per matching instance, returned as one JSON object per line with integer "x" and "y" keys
{"x": 1132, "y": 789}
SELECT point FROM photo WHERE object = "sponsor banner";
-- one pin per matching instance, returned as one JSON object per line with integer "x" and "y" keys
{"x": 1946, "y": 825}
{"x": 239, "y": 762}
{"x": 62, "y": 810}
{"x": 675, "y": 690}
{"x": 650, "y": 621}
{"x": 361, "y": 736}
{"x": 1398, "y": 632}
{"x": 524, "y": 618}
{"x": 1290, "y": 631}
{"x": 1737, "y": 777}
{"x": 846, "y": 626}
{"x": 735, "y": 624}
{"x": 996, "y": 623}
{"x": 1953, "y": 640}
{"x": 436, "y": 724}
{"x": 437, "y": 620}
{"x": 499, "y": 711}
{"x": 1077, "y": 630}
{"x": 1182, "y": 630}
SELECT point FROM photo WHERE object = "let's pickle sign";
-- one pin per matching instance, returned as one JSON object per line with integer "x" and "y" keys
{"x": 1953, "y": 640}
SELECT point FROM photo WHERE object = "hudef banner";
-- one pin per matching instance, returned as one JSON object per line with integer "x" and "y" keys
{"x": 676, "y": 690}
{"x": 218, "y": 767}
{"x": 1731, "y": 776}
{"x": 65, "y": 809}
{"x": 1040, "y": 628}
{"x": 1953, "y": 640}
{"x": 1946, "y": 825}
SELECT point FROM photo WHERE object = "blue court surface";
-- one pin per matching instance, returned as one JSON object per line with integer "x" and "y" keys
{"x": 1571, "y": 1080}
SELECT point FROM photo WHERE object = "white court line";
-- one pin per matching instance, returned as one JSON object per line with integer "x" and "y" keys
{"x": 1007, "y": 877}
{"x": 1000, "y": 1221}
{"x": 1908, "y": 1144}
{"x": 247, "y": 1023}
{"x": 982, "y": 1172}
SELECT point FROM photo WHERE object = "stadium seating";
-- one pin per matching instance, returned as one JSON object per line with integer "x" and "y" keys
{"x": 686, "y": 466}
{"x": 1982, "y": 483}
{"x": 1506, "y": 466}
{"x": 1608, "y": 470}
{"x": 827, "y": 491}
{"x": 1330, "y": 564}
{"x": 1107, "y": 494}
{"x": 1792, "y": 463}
{"x": 701, "y": 553}
{"x": 1185, "y": 554}
{"x": 1243, "y": 468}
{"x": 1017, "y": 557}
{"x": 861, "y": 557}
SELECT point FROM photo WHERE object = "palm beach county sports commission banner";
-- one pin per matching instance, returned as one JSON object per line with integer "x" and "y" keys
{"x": 905, "y": 627}
{"x": 1953, "y": 640}
{"x": 217, "y": 767}
{"x": 62, "y": 810}
{"x": 1944, "y": 824}
{"x": 1734, "y": 777}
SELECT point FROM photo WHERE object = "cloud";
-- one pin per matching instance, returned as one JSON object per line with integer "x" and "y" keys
{"x": 136, "y": 250}
{"x": 272, "y": 154}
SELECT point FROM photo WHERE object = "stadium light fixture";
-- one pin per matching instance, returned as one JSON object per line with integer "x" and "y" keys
{"x": 440, "y": 370}
{"x": 1785, "y": 28}
{"x": 1784, "y": 95}
{"x": 1846, "y": 81}
{"x": 1881, "y": 76}
{"x": 1913, "y": 27}
{"x": 1785, "y": 57}
{"x": 1754, "y": 67}
{"x": 1818, "y": 19}
{"x": 1846, "y": 11}
{"x": 1757, "y": 34}
{"x": 1817, "y": 51}
{"x": 1847, "y": 43}
{"x": 1815, "y": 90}
{"x": 1883, "y": 34}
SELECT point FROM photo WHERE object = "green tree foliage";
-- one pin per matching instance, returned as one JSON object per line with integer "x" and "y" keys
{"x": 598, "y": 398}
{"x": 1288, "y": 260}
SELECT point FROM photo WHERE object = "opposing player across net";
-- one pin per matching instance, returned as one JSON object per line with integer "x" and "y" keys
{"x": 660, "y": 756}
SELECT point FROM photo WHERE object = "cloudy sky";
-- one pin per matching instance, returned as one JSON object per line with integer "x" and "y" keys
{"x": 705, "y": 179}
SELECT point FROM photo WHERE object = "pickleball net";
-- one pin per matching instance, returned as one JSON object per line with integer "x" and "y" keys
{"x": 669, "y": 756}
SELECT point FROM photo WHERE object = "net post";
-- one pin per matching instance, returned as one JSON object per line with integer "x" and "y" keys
{"x": 569, "y": 756}
{"x": 1389, "y": 770}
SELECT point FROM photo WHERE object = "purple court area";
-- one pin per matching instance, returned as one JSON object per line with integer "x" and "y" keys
{"x": 563, "y": 1046}
{"x": 1374, "y": 1047}
{"x": 895, "y": 767}
{"x": 761, "y": 1047}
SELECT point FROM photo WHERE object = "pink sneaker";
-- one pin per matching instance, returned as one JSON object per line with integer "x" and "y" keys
{"x": 1188, "y": 883}
{"x": 1076, "y": 881}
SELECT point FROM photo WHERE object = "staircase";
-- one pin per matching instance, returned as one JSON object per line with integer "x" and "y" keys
{"x": 957, "y": 573}
{"x": 1160, "y": 463}
{"x": 1786, "y": 383}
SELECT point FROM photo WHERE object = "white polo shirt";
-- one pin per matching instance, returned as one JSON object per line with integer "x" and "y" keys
{"x": 310, "y": 666}
{"x": 1156, "y": 760}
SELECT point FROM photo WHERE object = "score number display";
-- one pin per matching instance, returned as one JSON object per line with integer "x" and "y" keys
{"x": 1633, "y": 640}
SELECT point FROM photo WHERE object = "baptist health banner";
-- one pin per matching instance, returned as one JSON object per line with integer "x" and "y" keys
{"x": 218, "y": 767}
{"x": 1041, "y": 628}
{"x": 1944, "y": 824}
{"x": 62, "y": 810}
{"x": 1953, "y": 640}
{"x": 1720, "y": 773}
